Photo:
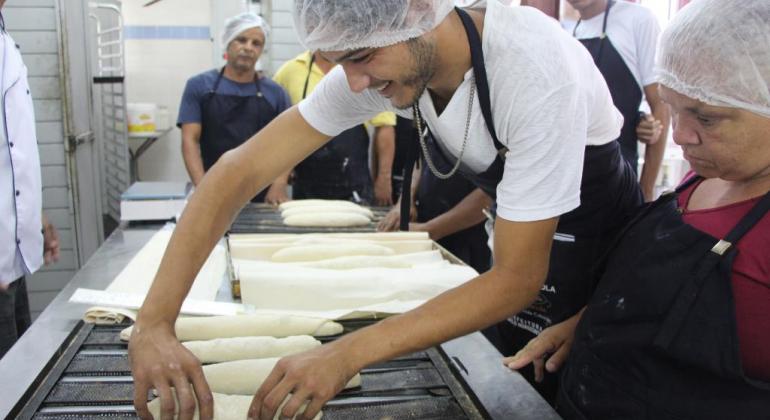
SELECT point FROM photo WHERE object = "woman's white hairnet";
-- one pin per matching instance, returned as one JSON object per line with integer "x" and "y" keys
{"x": 338, "y": 25}
{"x": 235, "y": 25}
{"x": 719, "y": 53}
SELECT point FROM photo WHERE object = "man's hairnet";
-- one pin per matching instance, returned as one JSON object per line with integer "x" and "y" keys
{"x": 235, "y": 25}
{"x": 338, "y": 25}
{"x": 717, "y": 52}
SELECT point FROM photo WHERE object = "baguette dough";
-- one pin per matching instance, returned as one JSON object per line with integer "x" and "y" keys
{"x": 315, "y": 202}
{"x": 326, "y": 209}
{"x": 244, "y": 377}
{"x": 314, "y": 289}
{"x": 226, "y": 407}
{"x": 241, "y": 348}
{"x": 383, "y": 261}
{"x": 317, "y": 252}
{"x": 327, "y": 220}
{"x": 211, "y": 327}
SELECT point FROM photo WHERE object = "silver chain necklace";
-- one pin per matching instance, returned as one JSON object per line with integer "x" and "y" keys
{"x": 422, "y": 134}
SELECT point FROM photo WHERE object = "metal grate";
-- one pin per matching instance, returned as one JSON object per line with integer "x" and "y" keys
{"x": 92, "y": 382}
{"x": 263, "y": 218}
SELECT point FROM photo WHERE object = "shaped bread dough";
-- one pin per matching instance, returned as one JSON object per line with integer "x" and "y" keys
{"x": 371, "y": 261}
{"x": 244, "y": 377}
{"x": 226, "y": 407}
{"x": 315, "y": 289}
{"x": 211, "y": 327}
{"x": 327, "y": 220}
{"x": 241, "y": 348}
{"x": 326, "y": 209}
{"x": 238, "y": 238}
{"x": 325, "y": 251}
{"x": 315, "y": 202}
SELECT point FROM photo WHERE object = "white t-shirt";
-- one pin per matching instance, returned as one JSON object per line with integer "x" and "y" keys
{"x": 633, "y": 31}
{"x": 548, "y": 102}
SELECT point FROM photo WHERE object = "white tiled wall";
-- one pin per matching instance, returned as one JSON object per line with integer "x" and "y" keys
{"x": 157, "y": 69}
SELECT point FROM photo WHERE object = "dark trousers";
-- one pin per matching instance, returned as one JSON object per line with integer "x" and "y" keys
{"x": 14, "y": 314}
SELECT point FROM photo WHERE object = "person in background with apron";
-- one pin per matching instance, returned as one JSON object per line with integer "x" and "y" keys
{"x": 678, "y": 325}
{"x": 621, "y": 37}
{"x": 339, "y": 169}
{"x": 502, "y": 96}
{"x": 222, "y": 108}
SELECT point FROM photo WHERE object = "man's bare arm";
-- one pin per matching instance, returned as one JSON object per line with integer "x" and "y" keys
{"x": 385, "y": 149}
{"x": 653, "y": 153}
{"x": 191, "y": 151}
{"x": 468, "y": 212}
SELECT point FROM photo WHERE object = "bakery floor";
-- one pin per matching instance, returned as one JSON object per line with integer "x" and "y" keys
{"x": 64, "y": 369}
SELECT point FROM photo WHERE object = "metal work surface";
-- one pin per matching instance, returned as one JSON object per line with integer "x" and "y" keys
{"x": 264, "y": 218}
{"x": 60, "y": 359}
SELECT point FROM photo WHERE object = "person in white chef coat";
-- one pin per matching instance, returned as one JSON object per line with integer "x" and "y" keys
{"x": 27, "y": 238}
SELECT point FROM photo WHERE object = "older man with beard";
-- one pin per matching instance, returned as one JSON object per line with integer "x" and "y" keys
{"x": 221, "y": 109}
{"x": 501, "y": 95}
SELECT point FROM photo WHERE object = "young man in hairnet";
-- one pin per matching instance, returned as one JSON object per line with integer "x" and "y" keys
{"x": 223, "y": 108}
{"x": 502, "y": 96}
{"x": 678, "y": 326}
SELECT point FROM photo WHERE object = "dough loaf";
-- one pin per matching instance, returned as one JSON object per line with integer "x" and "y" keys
{"x": 327, "y": 209}
{"x": 327, "y": 220}
{"x": 244, "y": 377}
{"x": 211, "y": 327}
{"x": 226, "y": 407}
{"x": 315, "y": 202}
{"x": 241, "y": 348}
{"x": 325, "y": 251}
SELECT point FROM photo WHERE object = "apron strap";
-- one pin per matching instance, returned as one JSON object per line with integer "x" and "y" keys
{"x": 480, "y": 74}
{"x": 219, "y": 79}
{"x": 309, "y": 72}
{"x": 406, "y": 186}
{"x": 690, "y": 291}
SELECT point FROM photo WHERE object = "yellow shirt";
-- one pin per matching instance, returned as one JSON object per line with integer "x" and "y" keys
{"x": 293, "y": 73}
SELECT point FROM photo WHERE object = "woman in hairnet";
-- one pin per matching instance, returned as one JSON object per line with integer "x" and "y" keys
{"x": 480, "y": 84}
{"x": 679, "y": 326}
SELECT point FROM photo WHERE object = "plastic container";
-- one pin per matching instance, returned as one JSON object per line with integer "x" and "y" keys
{"x": 142, "y": 117}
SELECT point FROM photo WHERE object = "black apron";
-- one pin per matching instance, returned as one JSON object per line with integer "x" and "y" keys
{"x": 624, "y": 88}
{"x": 609, "y": 196}
{"x": 659, "y": 339}
{"x": 230, "y": 120}
{"x": 339, "y": 169}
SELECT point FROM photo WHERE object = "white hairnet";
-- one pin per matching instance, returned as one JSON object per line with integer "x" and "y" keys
{"x": 235, "y": 25}
{"x": 718, "y": 53}
{"x": 338, "y": 25}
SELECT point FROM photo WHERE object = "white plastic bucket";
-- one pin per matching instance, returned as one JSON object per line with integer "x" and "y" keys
{"x": 142, "y": 117}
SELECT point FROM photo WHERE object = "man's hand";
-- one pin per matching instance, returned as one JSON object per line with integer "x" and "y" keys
{"x": 392, "y": 220}
{"x": 383, "y": 191}
{"x": 276, "y": 194}
{"x": 315, "y": 377}
{"x": 159, "y": 361}
{"x": 553, "y": 343}
{"x": 50, "y": 242}
{"x": 649, "y": 129}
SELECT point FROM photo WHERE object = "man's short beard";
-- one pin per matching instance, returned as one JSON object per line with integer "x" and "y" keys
{"x": 423, "y": 54}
